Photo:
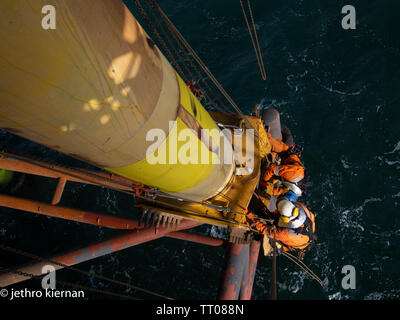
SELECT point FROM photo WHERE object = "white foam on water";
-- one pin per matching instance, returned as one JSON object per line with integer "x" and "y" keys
{"x": 345, "y": 164}
{"x": 293, "y": 281}
{"x": 263, "y": 104}
{"x": 218, "y": 232}
{"x": 396, "y": 148}
{"x": 391, "y": 294}
{"x": 390, "y": 163}
{"x": 332, "y": 90}
{"x": 335, "y": 296}
{"x": 351, "y": 218}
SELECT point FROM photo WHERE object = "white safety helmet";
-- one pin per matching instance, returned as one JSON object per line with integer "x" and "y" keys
{"x": 293, "y": 187}
{"x": 285, "y": 208}
{"x": 291, "y": 216}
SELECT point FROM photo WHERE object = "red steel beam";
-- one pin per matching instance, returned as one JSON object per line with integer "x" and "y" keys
{"x": 198, "y": 238}
{"x": 88, "y": 177}
{"x": 98, "y": 219}
{"x": 93, "y": 251}
{"x": 59, "y": 191}
{"x": 52, "y": 171}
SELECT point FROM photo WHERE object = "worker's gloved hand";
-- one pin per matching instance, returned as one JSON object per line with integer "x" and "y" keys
{"x": 268, "y": 189}
{"x": 286, "y": 189}
{"x": 279, "y": 248}
{"x": 261, "y": 189}
{"x": 260, "y": 227}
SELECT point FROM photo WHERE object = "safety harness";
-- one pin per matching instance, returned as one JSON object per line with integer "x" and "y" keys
{"x": 307, "y": 230}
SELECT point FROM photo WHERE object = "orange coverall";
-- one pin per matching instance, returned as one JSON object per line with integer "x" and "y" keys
{"x": 290, "y": 169}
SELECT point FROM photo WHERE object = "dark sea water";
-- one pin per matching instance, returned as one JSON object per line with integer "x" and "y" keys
{"x": 339, "y": 93}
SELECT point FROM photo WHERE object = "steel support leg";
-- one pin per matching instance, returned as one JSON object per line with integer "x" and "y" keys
{"x": 235, "y": 261}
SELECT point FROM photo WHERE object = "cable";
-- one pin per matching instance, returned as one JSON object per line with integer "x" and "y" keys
{"x": 149, "y": 7}
{"x": 171, "y": 27}
{"x": 161, "y": 41}
{"x": 194, "y": 55}
{"x": 206, "y": 70}
{"x": 256, "y": 44}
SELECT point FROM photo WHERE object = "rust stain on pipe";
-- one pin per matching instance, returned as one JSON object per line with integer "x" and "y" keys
{"x": 248, "y": 277}
{"x": 235, "y": 261}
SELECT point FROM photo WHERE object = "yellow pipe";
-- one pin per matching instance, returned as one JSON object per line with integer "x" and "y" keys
{"x": 94, "y": 86}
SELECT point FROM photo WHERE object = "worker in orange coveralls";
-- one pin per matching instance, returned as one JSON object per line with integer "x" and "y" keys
{"x": 286, "y": 170}
{"x": 293, "y": 228}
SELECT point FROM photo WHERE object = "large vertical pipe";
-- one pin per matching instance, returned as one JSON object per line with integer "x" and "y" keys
{"x": 244, "y": 284}
{"x": 254, "y": 253}
{"x": 95, "y": 86}
{"x": 246, "y": 288}
{"x": 272, "y": 120}
{"x": 235, "y": 262}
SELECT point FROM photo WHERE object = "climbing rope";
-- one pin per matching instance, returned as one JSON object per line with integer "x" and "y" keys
{"x": 295, "y": 260}
{"x": 303, "y": 266}
{"x": 254, "y": 39}
{"x": 273, "y": 270}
